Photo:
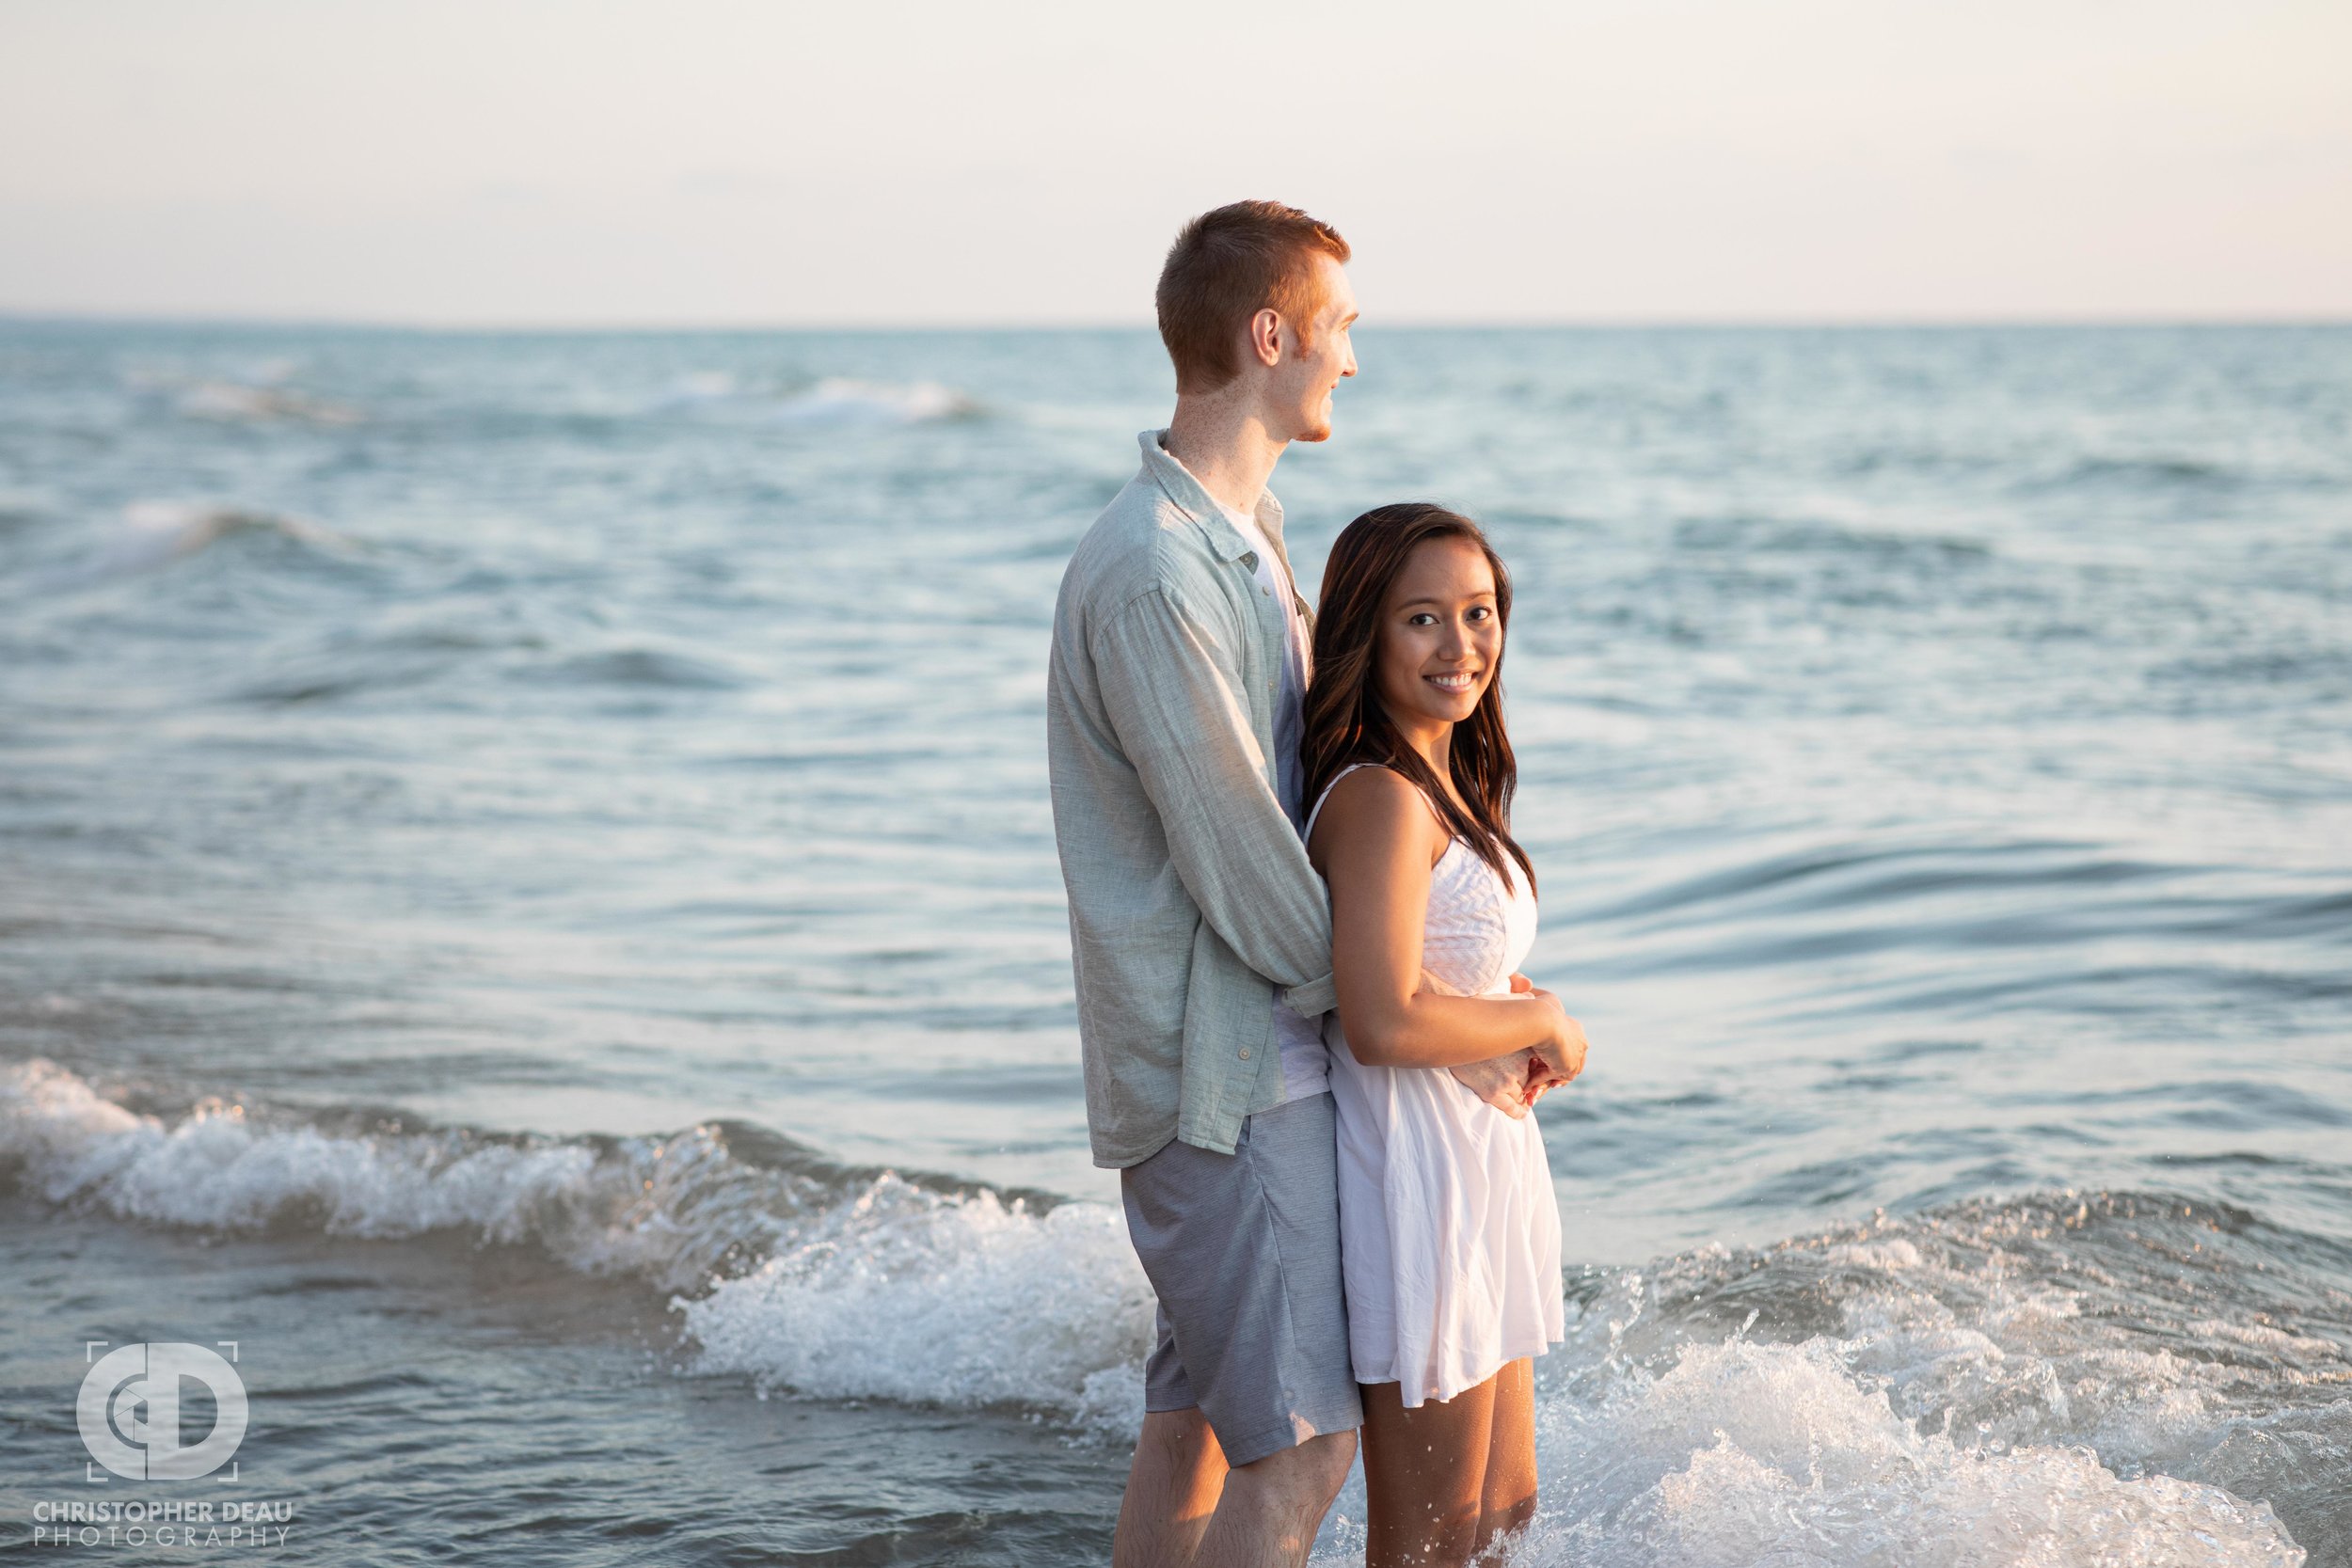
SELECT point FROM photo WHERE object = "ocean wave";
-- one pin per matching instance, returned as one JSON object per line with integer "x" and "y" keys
{"x": 2152, "y": 473}
{"x": 157, "y": 534}
{"x": 969, "y": 1300}
{"x": 1747, "y": 534}
{"x": 240, "y": 403}
{"x": 835, "y": 401}
{"x": 1854, "y": 874}
{"x": 641, "y": 666}
{"x": 839, "y": 400}
{"x": 672, "y": 1210}
{"x": 2121, "y": 1377}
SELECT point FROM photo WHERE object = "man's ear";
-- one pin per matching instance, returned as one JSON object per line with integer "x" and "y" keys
{"x": 1266, "y": 338}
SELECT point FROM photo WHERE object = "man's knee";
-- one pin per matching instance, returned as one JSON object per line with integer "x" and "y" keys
{"x": 1312, "y": 1472}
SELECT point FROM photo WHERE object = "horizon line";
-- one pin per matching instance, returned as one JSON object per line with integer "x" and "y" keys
{"x": 524, "y": 328}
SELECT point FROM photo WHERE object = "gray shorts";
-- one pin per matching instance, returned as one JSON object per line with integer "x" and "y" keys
{"x": 1243, "y": 1250}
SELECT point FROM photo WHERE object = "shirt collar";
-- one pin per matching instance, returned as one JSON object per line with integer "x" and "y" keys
{"x": 1177, "y": 482}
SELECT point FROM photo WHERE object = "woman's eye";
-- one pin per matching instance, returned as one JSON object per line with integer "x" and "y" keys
{"x": 1479, "y": 613}
{"x": 1421, "y": 618}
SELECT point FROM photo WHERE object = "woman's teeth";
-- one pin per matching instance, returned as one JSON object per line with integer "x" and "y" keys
{"x": 1454, "y": 683}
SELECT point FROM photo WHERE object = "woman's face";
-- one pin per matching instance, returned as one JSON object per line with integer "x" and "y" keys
{"x": 1440, "y": 634}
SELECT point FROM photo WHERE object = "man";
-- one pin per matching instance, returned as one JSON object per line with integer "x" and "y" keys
{"x": 1201, "y": 937}
{"x": 1200, "y": 934}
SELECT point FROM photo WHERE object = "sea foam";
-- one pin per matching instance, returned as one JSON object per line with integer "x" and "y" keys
{"x": 2021, "y": 1382}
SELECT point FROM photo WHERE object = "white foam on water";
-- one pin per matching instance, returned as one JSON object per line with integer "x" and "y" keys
{"x": 840, "y": 401}
{"x": 1936, "y": 1395}
{"x": 833, "y": 401}
{"x": 1742, "y": 1454}
{"x": 240, "y": 403}
{"x": 906, "y": 1295}
{"x": 666, "y": 1209}
{"x": 155, "y": 533}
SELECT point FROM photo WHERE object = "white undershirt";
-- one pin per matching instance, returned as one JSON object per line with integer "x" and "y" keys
{"x": 1306, "y": 1061}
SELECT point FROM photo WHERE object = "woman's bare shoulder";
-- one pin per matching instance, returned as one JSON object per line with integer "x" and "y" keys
{"x": 1375, "y": 805}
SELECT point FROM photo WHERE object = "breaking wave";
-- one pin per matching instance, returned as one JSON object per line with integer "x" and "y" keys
{"x": 2113, "y": 1377}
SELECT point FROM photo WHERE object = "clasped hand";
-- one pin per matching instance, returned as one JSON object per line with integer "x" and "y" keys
{"x": 1513, "y": 1083}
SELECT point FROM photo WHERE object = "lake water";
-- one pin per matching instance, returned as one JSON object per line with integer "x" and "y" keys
{"x": 528, "y": 903}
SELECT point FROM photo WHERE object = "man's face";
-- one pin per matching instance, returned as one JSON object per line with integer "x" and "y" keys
{"x": 1299, "y": 401}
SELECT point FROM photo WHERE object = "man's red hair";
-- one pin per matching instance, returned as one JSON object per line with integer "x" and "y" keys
{"x": 1227, "y": 265}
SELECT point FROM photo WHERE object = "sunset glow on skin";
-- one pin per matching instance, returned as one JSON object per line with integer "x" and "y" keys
{"x": 1312, "y": 368}
{"x": 1440, "y": 640}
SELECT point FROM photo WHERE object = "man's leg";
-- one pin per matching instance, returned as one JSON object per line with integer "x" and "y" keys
{"x": 1242, "y": 1250}
{"x": 1270, "y": 1512}
{"x": 1172, "y": 1490}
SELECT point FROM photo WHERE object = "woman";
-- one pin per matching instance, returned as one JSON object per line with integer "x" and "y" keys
{"x": 1449, "y": 1234}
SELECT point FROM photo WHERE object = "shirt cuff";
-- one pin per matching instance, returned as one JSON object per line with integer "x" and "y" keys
{"x": 1313, "y": 999}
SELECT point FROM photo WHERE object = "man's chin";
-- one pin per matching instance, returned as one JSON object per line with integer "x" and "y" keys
{"x": 1314, "y": 433}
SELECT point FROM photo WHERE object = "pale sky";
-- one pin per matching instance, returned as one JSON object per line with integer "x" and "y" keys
{"x": 709, "y": 161}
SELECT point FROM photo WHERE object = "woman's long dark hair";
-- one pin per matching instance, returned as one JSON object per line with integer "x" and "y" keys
{"x": 1344, "y": 720}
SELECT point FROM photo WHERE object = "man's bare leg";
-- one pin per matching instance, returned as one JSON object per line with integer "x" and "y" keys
{"x": 1172, "y": 1490}
{"x": 1270, "y": 1511}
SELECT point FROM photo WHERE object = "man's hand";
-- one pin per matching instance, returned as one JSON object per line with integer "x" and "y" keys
{"x": 1501, "y": 1081}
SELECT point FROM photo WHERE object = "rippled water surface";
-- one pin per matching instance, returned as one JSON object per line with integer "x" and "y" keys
{"x": 526, "y": 900}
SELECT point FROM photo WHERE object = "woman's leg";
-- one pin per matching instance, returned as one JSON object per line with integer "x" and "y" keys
{"x": 1424, "y": 1474}
{"x": 1506, "y": 1499}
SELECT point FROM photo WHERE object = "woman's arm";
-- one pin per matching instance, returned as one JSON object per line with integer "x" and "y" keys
{"x": 1375, "y": 843}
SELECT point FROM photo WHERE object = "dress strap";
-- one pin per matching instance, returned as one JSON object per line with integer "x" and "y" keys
{"x": 1308, "y": 830}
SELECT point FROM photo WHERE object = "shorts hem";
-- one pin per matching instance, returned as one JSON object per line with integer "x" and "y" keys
{"x": 1294, "y": 1430}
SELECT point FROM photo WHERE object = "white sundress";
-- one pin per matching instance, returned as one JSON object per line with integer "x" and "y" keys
{"x": 1449, "y": 1231}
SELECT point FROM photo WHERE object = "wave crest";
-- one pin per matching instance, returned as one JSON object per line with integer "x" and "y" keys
{"x": 2059, "y": 1378}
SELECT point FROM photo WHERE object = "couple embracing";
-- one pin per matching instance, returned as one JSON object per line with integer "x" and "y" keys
{"x": 1297, "y": 914}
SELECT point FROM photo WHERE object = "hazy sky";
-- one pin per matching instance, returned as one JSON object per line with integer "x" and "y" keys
{"x": 702, "y": 161}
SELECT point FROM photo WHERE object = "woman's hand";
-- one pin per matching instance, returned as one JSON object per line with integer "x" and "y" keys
{"x": 1562, "y": 1053}
{"x": 1512, "y": 1083}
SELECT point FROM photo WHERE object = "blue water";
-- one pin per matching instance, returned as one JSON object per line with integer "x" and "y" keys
{"x": 527, "y": 899}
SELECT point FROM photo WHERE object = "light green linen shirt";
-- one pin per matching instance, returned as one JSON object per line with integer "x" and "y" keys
{"x": 1190, "y": 894}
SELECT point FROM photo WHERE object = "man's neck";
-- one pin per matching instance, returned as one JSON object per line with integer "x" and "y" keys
{"x": 1225, "y": 444}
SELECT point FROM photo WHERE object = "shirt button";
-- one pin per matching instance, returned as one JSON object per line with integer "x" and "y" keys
{"x": 1267, "y": 592}
{"x": 1245, "y": 1052}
